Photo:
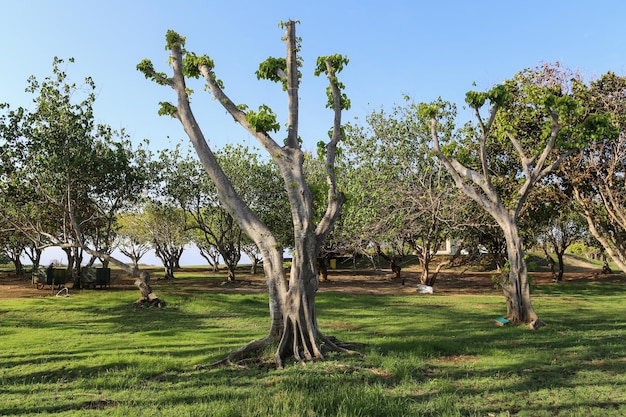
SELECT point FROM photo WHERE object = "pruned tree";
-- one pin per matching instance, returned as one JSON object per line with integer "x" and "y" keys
{"x": 535, "y": 122}
{"x": 292, "y": 303}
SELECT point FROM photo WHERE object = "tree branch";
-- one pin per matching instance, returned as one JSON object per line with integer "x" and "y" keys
{"x": 335, "y": 198}
{"x": 292, "y": 85}
{"x": 264, "y": 138}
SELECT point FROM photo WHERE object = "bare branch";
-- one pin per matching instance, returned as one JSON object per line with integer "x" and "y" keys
{"x": 335, "y": 199}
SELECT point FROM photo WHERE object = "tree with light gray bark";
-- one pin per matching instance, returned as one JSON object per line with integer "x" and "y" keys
{"x": 292, "y": 302}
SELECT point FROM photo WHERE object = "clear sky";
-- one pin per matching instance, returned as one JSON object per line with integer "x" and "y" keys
{"x": 425, "y": 49}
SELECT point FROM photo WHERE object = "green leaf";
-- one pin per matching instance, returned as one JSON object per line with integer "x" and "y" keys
{"x": 264, "y": 120}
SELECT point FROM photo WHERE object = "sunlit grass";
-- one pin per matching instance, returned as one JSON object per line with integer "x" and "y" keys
{"x": 439, "y": 355}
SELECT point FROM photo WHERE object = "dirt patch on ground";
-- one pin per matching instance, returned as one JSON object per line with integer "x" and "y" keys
{"x": 348, "y": 281}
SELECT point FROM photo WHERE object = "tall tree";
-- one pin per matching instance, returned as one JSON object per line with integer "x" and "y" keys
{"x": 596, "y": 176}
{"x": 532, "y": 124}
{"x": 292, "y": 303}
{"x": 64, "y": 169}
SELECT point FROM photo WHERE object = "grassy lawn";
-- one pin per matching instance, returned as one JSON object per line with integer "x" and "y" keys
{"x": 438, "y": 355}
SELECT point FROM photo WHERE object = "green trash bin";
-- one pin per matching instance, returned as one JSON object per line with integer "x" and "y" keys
{"x": 103, "y": 277}
{"x": 333, "y": 263}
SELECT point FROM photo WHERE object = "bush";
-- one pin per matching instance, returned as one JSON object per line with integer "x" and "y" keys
{"x": 579, "y": 249}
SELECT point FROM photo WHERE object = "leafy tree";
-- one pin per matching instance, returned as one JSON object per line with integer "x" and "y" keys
{"x": 405, "y": 200}
{"x": 550, "y": 219}
{"x": 596, "y": 175}
{"x": 133, "y": 237}
{"x": 120, "y": 176}
{"x": 292, "y": 303}
{"x": 13, "y": 245}
{"x": 186, "y": 184}
{"x": 70, "y": 174}
{"x": 165, "y": 225}
{"x": 533, "y": 121}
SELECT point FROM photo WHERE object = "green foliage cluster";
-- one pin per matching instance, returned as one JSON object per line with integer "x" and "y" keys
{"x": 264, "y": 120}
{"x": 271, "y": 68}
{"x": 336, "y": 63}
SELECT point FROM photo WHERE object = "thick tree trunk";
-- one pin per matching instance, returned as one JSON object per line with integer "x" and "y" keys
{"x": 517, "y": 288}
{"x": 168, "y": 268}
{"x": 300, "y": 333}
{"x": 148, "y": 298}
{"x": 19, "y": 267}
{"x": 276, "y": 280}
{"x": 424, "y": 278}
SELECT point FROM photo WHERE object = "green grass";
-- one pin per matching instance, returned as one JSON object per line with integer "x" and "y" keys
{"x": 94, "y": 354}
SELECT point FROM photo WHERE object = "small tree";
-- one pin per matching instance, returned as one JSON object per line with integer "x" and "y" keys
{"x": 405, "y": 199}
{"x": 168, "y": 235}
{"x": 133, "y": 237}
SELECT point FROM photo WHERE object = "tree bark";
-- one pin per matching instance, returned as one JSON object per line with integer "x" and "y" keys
{"x": 559, "y": 256}
{"x": 231, "y": 272}
{"x": 517, "y": 287}
{"x": 300, "y": 331}
{"x": 424, "y": 278}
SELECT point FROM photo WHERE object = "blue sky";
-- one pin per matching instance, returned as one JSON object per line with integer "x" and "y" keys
{"x": 425, "y": 49}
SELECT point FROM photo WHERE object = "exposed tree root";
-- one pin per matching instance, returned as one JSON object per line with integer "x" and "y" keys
{"x": 149, "y": 302}
{"x": 332, "y": 344}
{"x": 148, "y": 298}
{"x": 246, "y": 354}
{"x": 535, "y": 324}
